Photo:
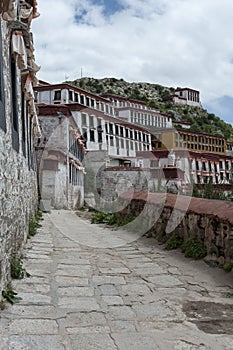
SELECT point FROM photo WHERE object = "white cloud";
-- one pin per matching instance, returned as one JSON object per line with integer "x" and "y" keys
{"x": 178, "y": 42}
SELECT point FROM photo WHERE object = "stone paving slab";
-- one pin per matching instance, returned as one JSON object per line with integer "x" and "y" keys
{"x": 42, "y": 342}
{"x": 94, "y": 341}
{"x": 29, "y": 326}
{"x": 91, "y": 289}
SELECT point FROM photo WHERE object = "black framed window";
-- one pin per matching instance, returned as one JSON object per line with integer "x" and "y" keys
{"x": 24, "y": 120}
{"x": 2, "y": 96}
{"x": 14, "y": 104}
{"x": 57, "y": 95}
{"x": 31, "y": 155}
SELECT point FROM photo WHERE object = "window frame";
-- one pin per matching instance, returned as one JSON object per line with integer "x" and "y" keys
{"x": 14, "y": 104}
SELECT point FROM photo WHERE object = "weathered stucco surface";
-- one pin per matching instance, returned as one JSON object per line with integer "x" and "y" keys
{"x": 54, "y": 156}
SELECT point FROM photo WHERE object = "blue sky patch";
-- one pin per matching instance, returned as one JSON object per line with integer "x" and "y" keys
{"x": 222, "y": 107}
{"x": 110, "y": 6}
{"x": 80, "y": 15}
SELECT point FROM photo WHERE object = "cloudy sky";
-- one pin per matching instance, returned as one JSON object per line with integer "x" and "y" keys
{"x": 169, "y": 42}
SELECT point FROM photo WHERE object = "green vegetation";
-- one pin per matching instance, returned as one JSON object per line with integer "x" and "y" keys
{"x": 34, "y": 224}
{"x": 17, "y": 269}
{"x": 103, "y": 218}
{"x": 162, "y": 237}
{"x": 158, "y": 97}
{"x": 10, "y": 296}
{"x": 174, "y": 242}
{"x": 228, "y": 267}
{"x": 111, "y": 219}
{"x": 200, "y": 120}
{"x": 39, "y": 215}
{"x": 194, "y": 248}
{"x": 208, "y": 192}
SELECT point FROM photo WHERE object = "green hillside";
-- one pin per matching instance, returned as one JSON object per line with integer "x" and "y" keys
{"x": 158, "y": 96}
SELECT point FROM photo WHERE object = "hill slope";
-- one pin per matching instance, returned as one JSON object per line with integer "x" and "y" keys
{"x": 157, "y": 96}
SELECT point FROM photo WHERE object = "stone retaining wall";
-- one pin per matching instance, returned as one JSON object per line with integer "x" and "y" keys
{"x": 210, "y": 221}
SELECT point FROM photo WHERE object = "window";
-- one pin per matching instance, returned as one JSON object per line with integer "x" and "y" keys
{"x": 24, "y": 119}
{"x": 84, "y": 135}
{"x": 82, "y": 100}
{"x": 76, "y": 97}
{"x": 70, "y": 173}
{"x": 84, "y": 119}
{"x": 91, "y": 121}
{"x": 110, "y": 128}
{"x": 31, "y": 156}
{"x": 57, "y": 95}
{"x": 73, "y": 175}
{"x": 75, "y": 148}
{"x": 154, "y": 163}
{"x": 92, "y": 135}
{"x": 121, "y": 131}
{"x": 70, "y": 95}
{"x": 2, "y": 105}
{"x": 14, "y": 105}
{"x": 100, "y": 138}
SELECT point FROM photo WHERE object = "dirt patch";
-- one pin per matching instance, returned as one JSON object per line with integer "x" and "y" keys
{"x": 86, "y": 215}
{"x": 213, "y": 318}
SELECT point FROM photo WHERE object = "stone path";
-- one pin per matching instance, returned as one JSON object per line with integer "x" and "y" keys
{"x": 111, "y": 294}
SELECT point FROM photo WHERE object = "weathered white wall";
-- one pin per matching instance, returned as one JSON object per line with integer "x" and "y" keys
{"x": 54, "y": 183}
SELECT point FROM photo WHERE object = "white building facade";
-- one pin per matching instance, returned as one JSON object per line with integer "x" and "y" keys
{"x": 96, "y": 119}
{"x": 65, "y": 93}
{"x": 187, "y": 96}
{"x": 137, "y": 112}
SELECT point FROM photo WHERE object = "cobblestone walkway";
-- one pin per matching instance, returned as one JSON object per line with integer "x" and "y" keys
{"x": 133, "y": 296}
